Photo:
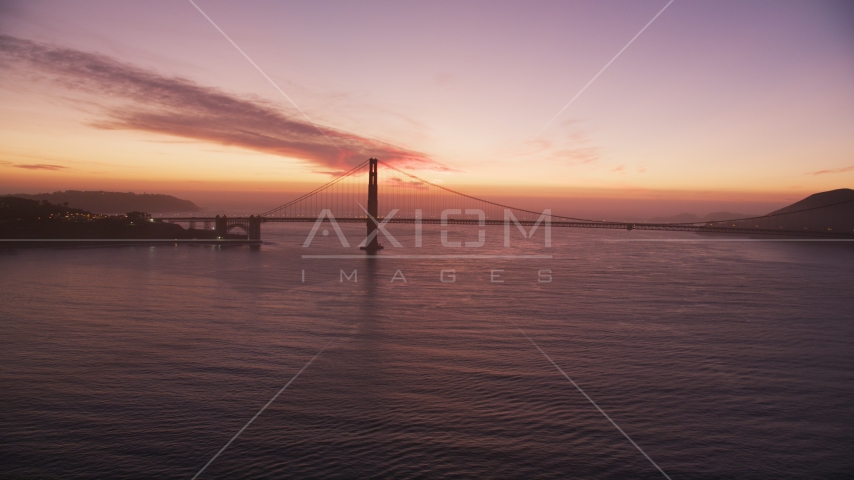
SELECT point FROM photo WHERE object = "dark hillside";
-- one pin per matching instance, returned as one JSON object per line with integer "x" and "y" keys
{"x": 21, "y": 218}
{"x": 817, "y": 200}
{"x": 115, "y": 202}
{"x": 821, "y": 212}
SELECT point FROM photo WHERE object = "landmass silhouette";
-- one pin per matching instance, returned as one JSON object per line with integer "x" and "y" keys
{"x": 114, "y": 202}
{"x": 26, "y": 219}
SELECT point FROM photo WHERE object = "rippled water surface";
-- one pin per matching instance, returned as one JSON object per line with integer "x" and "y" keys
{"x": 720, "y": 359}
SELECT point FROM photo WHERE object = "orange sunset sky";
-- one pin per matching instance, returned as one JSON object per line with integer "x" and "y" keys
{"x": 715, "y": 105}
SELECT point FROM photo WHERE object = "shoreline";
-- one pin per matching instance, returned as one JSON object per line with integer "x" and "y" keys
{"x": 6, "y": 243}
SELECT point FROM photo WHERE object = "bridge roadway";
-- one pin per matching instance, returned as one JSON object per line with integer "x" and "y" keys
{"x": 241, "y": 221}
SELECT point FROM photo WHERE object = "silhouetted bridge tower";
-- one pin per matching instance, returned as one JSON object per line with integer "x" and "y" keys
{"x": 406, "y": 198}
{"x": 373, "y": 245}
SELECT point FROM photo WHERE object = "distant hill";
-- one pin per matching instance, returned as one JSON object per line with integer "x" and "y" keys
{"x": 114, "y": 202}
{"x": 718, "y": 216}
{"x": 691, "y": 218}
{"x": 818, "y": 200}
{"x": 681, "y": 218}
{"x": 25, "y": 219}
{"x": 826, "y": 211}
{"x": 21, "y": 209}
{"x": 831, "y": 211}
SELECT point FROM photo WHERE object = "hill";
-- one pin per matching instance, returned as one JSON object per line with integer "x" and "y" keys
{"x": 691, "y": 218}
{"x": 22, "y": 218}
{"x": 819, "y": 200}
{"x": 114, "y": 202}
{"x": 826, "y": 211}
{"x": 13, "y": 209}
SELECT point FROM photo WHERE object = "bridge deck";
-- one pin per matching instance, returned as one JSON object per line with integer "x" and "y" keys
{"x": 610, "y": 225}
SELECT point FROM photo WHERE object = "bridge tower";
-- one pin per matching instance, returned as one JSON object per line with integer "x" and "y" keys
{"x": 374, "y": 245}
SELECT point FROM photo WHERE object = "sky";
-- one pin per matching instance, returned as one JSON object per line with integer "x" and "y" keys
{"x": 734, "y": 103}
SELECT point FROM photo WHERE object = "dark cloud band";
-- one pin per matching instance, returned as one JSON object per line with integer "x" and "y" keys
{"x": 39, "y": 166}
{"x": 133, "y": 98}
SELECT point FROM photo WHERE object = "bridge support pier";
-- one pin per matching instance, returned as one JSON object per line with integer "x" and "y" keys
{"x": 255, "y": 227}
{"x": 221, "y": 226}
{"x": 373, "y": 246}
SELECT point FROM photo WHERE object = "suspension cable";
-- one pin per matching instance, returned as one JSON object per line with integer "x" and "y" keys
{"x": 316, "y": 190}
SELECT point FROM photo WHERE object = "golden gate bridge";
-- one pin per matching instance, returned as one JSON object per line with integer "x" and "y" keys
{"x": 350, "y": 199}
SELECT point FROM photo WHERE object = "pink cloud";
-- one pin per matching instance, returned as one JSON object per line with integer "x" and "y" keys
{"x": 835, "y": 170}
{"x": 578, "y": 155}
{"x": 39, "y": 166}
{"x": 132, "y": 98}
